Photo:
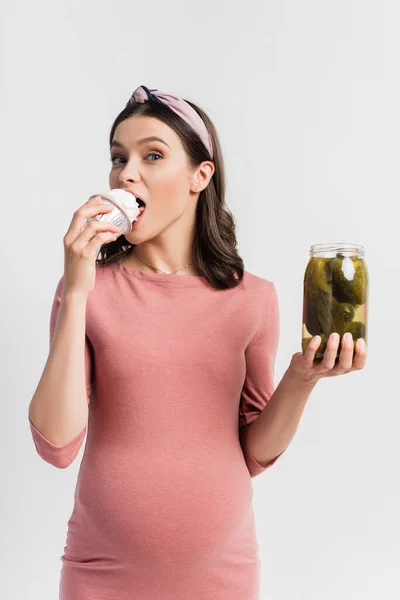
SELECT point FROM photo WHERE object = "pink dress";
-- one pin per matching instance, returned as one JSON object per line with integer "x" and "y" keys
{"x": 176, "y": 370}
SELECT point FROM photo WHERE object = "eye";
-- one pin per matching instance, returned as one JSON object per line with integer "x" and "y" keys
{"x": 154, "y": 154}
{"x": 113, "y": 158}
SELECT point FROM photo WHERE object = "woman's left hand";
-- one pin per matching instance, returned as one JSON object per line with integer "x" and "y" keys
{"x": 306, "y": 369}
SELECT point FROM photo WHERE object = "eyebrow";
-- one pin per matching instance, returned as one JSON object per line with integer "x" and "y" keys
{"x": 151, "y": 138}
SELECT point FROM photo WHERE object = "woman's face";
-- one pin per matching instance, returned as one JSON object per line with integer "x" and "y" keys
{"x": 157, "y": 172}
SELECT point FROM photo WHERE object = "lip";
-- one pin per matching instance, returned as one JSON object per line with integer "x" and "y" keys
{"x": 133, "y": 194}
{"x": 138, "y": 220}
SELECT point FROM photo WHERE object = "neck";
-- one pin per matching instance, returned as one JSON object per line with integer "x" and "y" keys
{"x": 156, "y": 263}
{"x": 171, "y": 250}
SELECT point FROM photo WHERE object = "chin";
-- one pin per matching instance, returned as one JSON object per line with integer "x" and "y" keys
{"x": 138, "y": 237}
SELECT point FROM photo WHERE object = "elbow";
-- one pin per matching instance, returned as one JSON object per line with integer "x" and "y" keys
{"x": 255, "y": 467}
{"x": 60, "y": 457}
{"x": 57, "y": 456}
{"x": 60, "y": 462}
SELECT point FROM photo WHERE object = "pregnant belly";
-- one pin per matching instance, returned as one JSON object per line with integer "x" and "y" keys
{"x": 181, "y": 506}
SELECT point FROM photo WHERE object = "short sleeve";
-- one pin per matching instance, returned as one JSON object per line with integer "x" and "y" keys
{"x": 259, "y": 385}
{"x": 62, "y": 456}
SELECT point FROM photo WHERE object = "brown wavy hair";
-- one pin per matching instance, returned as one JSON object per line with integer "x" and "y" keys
{"x": 216, "y": 256}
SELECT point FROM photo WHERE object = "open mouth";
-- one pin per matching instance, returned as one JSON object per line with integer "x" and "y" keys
{"x": 142, "y": 205}
{"x": 142, "y": 208}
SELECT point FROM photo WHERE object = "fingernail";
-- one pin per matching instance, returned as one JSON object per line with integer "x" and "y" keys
{"x": 335, "y": 337}
{"x": 361, "y": 342}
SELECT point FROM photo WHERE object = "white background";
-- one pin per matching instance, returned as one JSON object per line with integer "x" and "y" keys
{"x": 305, "y": 97}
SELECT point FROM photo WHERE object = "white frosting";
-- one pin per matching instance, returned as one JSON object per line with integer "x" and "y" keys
{"x": 126, "y": 201}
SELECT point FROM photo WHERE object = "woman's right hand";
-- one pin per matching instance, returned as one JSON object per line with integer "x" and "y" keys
{"x": 82, "y": 244}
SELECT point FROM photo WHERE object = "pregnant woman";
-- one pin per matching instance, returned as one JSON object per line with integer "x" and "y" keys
{"x": 162, "y": 351}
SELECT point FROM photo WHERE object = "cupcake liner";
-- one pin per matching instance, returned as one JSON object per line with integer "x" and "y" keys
{"x": 117, "y": 216}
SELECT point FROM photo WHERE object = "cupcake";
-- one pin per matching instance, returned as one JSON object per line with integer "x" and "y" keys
{"x": 125, "y": 209}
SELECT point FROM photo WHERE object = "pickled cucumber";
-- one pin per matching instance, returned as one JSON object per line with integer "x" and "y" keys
{"x": 318, "y": 274}
{"x": 330, "y": 315}
{"x": 347, "y": 311}
{"x": 345, "y": 289}
{"x": 357, "y": 329}
{"x": 317, "y": 291}
{"x": 310, "y": 304}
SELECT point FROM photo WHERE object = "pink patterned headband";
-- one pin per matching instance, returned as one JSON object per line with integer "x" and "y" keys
{"x": 179, "y": 106}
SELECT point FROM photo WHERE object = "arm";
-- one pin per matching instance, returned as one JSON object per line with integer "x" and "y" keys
{"x": 58, "y": 410}
{"x": 259, "y": 386}
{"x": 271, "y": 433}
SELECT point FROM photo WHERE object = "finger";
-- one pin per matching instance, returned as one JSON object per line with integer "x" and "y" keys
{"x": 346, "y": 353}
{"x": 93, "y": 237}
{"x": 80, "y": 218}
{"x": 309, "y": 354}
{"x": 101, "y": 238}
{"x": 95, "y": 228}
{"x": 328, "y": 361}
{"x": 361, "y": 355}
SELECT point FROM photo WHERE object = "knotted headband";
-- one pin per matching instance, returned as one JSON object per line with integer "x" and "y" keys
{"x": 179, "y": 106}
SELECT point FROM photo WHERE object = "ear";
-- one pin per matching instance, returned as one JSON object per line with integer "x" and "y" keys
{"x": 201, "y": 176}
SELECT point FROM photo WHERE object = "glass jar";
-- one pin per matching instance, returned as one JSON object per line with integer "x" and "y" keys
{"x": 335, "y": 294}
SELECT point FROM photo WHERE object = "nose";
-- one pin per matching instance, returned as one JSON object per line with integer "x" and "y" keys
{"x": 129, "y": 174}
